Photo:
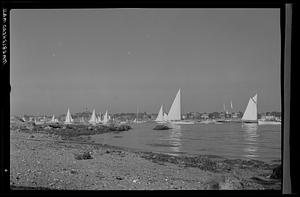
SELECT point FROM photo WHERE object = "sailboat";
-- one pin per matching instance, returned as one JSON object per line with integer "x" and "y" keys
{"x": 226, "y": 112}
{"x": 174, "y": 115}
{"x": 53, "y": 119}
{"x": 69, "y": 119}
{"x": 161, "y": 116}
{"x": 105, "y": 118}
{"x": 165, "y": 116}
{"x": 136, "y": 120}
{"x": 137, "y": 115}
{"x": 99, "y": 119}
{"x": 93, "y": 119}
{"x": 250, "y": 114}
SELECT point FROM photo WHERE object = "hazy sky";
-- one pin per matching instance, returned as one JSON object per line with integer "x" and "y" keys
{"x": 124, "y": 58}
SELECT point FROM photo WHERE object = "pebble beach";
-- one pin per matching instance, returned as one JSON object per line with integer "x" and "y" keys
{"x": 40, "y": 159}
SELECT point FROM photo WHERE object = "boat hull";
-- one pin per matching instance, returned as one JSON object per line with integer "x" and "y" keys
{"x": 250, "y": 121}
{"x": 208, "y": 122}
{"x": 181, "y": 122}
{"x": 161, "y": 122}
{"x": 268, "y": 123}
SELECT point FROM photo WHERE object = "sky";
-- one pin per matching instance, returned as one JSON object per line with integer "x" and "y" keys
{"x": 124, "y": 59}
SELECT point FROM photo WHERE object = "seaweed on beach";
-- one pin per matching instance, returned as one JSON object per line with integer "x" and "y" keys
{"x": 68, "y": 131}
{"x": 202, "y": 163}
{"x": 83, "y": 156}
{"x": 13, "y": 187}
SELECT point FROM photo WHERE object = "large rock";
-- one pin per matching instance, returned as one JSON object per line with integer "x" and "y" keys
{"x": 161, "y": 127}
{"x": 277, "y": 172}
{"x": 55, "y": 126}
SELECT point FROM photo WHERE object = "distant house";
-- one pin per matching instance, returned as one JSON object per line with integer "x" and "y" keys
{"x": 234, "y": 115}
{"x": 205, "y": 116}
{"x": 227, "y": 115}
{"x": 222, "y": 115}
{"x": 214, "y": 115}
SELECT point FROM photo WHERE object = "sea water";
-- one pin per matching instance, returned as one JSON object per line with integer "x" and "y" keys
{"x": 229, "y": 140}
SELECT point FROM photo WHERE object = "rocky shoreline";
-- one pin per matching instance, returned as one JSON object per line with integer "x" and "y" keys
{"x": 45, "y": 160}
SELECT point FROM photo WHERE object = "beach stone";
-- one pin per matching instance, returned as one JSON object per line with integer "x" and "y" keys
{"x": 215, "y": 182}
{"x": 83, "y": 156}
{"x": 119, "y": 178}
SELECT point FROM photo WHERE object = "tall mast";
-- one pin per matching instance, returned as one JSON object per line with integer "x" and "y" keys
{"x": 137, "y": 113}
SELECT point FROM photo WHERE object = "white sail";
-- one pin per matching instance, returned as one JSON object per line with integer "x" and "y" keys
{"x": 251, "y": 110}
{"x": 93, "y": 119}
{"x": 175, "y": 110}
{"x": 53, "y": 119}
{"x": 165, "y": 116}
{"x": 69, "y": 118}
{"x": 105, "y": 118}
{"x": 160, "y": 116}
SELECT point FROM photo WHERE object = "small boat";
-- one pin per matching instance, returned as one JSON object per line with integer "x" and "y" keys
{"x": 136, "y": 120}
{"x": 123, "y": 122}
{"x": 174, "y": 115}
{"x": 207, "y": 121}
{"x": 182, "y": 122}
{"x": 268, "y": 122}
{"x": 160, "y": 117}
{"x": 250, "y": 115}
{"x": 38, "y": 122}
{"x": 105, "y": 118}
{"x": 93, "y": 119}
{"x": 53, "y": 119}
{"x": 69, "y": 119}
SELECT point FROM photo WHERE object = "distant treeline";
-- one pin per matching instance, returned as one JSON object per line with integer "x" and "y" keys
{"x": 146, "y": 116}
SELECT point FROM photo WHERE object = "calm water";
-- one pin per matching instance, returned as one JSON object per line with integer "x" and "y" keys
{"x": 231, "y": 140}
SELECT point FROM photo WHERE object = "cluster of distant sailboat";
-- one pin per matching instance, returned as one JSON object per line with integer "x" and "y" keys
{"x": 93, "y": 120}
{"x": 174, "y": 115}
